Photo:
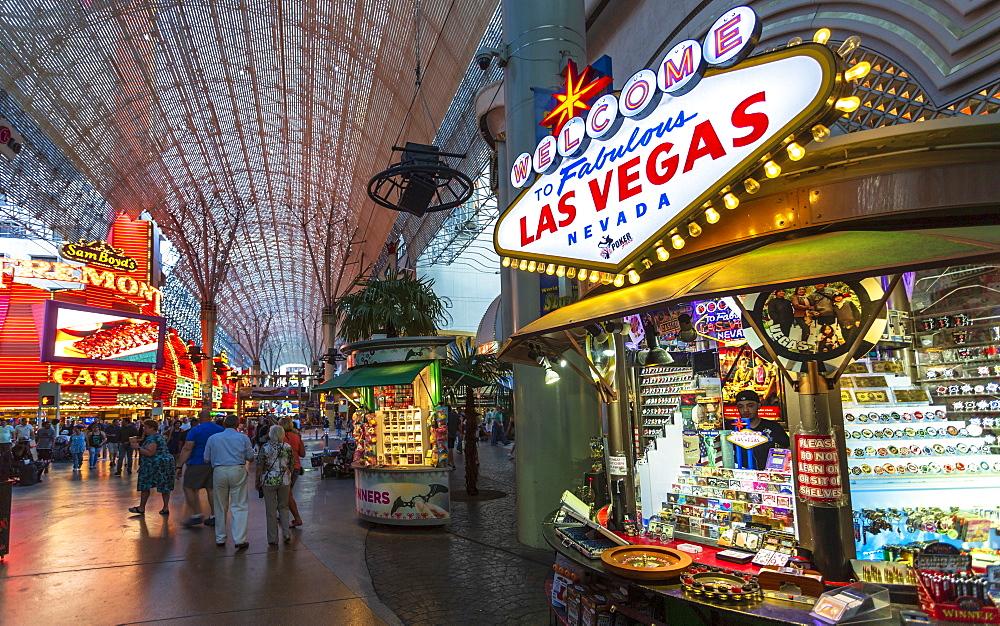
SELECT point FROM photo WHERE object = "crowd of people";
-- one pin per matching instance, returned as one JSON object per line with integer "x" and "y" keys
{"x": 208, "y": 455}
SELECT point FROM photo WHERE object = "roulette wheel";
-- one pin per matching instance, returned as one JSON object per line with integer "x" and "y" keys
{"x": 646, "y": 562}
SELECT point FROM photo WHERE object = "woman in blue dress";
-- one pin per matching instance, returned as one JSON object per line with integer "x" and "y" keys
{"x": 156, "y": 468}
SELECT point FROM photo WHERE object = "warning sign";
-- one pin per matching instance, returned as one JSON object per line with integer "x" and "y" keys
{"x": 818, "y": 469}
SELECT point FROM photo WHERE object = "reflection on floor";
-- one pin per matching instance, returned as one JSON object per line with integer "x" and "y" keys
{"x": 78, "y": 555}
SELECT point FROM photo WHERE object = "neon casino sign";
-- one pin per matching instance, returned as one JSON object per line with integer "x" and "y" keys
{"x": 718, "y": 319}
{"x": 607, "y": 191}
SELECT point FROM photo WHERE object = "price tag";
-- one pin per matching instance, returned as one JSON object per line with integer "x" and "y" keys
{"x": 944, "y": 563}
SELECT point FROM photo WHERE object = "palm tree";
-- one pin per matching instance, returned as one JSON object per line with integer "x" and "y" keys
{"x": 399, "y": 305}
{"x": 463, "y": 358}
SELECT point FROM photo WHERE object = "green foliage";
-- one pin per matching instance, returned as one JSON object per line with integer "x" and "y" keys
{"x": 399, "y": 305}
{"x": 462, "y": 357}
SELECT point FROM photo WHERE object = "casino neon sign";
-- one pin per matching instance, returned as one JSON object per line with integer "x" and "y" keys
{"x": 616, "y": 189}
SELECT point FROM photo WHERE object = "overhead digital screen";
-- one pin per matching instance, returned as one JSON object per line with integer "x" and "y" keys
{"x": 93, "y": 336}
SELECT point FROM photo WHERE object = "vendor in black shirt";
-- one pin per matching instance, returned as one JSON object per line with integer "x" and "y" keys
{"x": 747, "y": 403}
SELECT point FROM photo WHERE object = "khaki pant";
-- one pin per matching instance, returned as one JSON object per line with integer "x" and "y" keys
{"x": 229, "y": 484}
{"x": 276, "y": 502}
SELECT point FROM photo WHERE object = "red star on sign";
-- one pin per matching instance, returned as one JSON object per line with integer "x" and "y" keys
{"x": 579, "y": 89}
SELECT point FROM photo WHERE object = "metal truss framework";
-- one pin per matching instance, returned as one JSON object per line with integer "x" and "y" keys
{"x": 440, "y": 238}
{"x": 283, "y": 109}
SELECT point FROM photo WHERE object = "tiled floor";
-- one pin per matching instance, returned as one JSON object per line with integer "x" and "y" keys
{"x": 78, "y": 555}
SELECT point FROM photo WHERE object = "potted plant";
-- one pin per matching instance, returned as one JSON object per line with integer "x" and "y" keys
{"x": 462, "y": 357}
{"x": 400, "y": 304}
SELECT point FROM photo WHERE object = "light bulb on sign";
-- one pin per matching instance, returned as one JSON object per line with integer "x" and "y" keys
{"x": 850, "y": 45}
{"x": 595, "y": 277}
{"x": 848, "y": 104}
{"x": 751, "y": 185}
{"x": 607, "y": 279}
{"x": 859, "y": 70}
{"x": 677, "y": 241}
{"x": 731, "y": 201}
{"x": 551, "y": 269}
{"x": 523, "y": 265}
{"x": 646, "y": 263}
{"x": 505, "y": 262}
{"x": 633, "y": 276}
{"x": 822, "y": 36}
{"x": 694, "y": 229}
{"x": 712, "y": 216}
{"x": 795, "y": 151}
{"x": 772, "y": 169}
{"x": 561, "y": 271}
{"x": 570, "y": 272}
{"x": 582, "y": 274}
{"x": 820, "y": 133}
{"x": 619, "y": 280}
{"x": 532, "y": 266}
{"x": 662, "y": 253}
{"x": 794, "y": 41}
{"x": 541, "y": 268}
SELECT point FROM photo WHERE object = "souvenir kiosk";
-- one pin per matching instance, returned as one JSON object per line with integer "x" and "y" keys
{"x": 400, "y": 464}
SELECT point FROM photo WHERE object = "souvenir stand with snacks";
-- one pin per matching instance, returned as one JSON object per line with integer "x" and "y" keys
{"x": 400, "y": 463}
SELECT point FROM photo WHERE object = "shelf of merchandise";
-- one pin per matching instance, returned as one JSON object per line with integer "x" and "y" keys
{"x": 659, "y": 400}
{"x": 401, "y": 436}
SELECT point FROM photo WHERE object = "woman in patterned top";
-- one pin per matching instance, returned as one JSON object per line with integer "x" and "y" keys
{"x": 274, "y": 479}
{"x": 156, "y": 468}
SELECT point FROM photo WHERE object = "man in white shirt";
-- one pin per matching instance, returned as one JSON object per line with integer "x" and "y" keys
{"x": 228, "y": 452}
{"x": 24, "y": 430}
{"x": 6, "y": 436}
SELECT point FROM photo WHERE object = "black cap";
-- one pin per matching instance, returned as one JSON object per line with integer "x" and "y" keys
{"x": 747, "y": 394}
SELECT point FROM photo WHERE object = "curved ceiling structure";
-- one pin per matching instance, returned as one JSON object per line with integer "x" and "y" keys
{"x": 259, "y": 119}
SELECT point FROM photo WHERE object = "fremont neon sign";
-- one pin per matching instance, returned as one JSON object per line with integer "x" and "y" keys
{"x": 609, "y": 186}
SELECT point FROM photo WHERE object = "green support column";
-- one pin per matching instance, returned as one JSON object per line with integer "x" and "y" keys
{"x": 554, "y": 423}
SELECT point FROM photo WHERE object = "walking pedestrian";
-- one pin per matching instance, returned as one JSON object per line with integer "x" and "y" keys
{"x": 197, "y": 472}
{"x": 495, "y": 420}
{"x": 156, "y": 468}
{"x": 46, "y": 440}
{"x": 113, "y": 431}
{"x": 273, "y": 477}
{"x": 77, "y": 444}
{"x": 294, "y": 440}
{"x": 125, "y": 435}
{"x": 95, "y": 441}
{"x": 228, "y": 452}
{"x": 175, "y": 438}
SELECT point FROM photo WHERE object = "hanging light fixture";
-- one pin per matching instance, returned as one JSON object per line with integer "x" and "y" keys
{"x": 551, "y": 376}
{"x": 850, "y": 45}
{"x": 859, "y": 70}
{"x": 820, "y": 133}
{"x": 848, "y": 104}
{"x": 795, "y": 151}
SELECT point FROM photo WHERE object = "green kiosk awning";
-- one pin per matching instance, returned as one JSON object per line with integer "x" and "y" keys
{"x": 375, "y": 375}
